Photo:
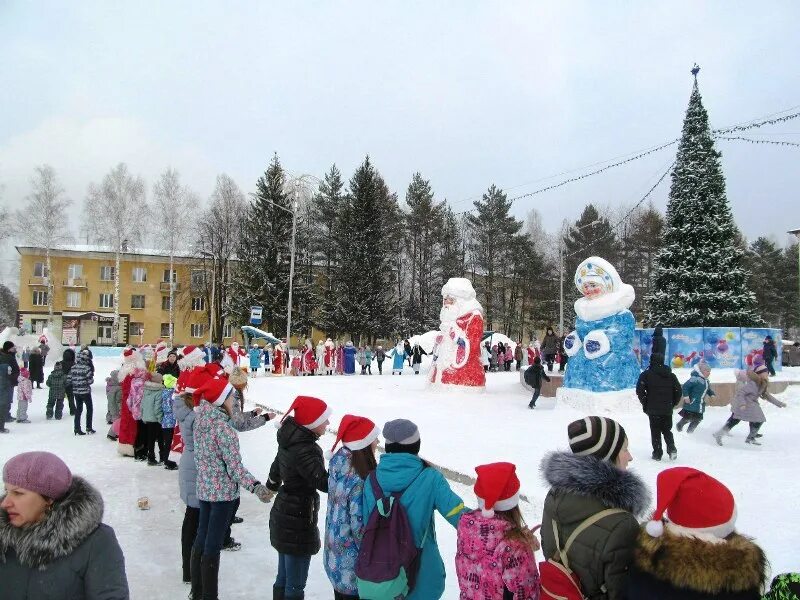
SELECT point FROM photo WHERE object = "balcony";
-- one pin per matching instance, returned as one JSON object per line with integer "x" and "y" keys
{"x": 39, "y": 281}
{"x": 75, "y": 282}
{"x": 165, "y": 286}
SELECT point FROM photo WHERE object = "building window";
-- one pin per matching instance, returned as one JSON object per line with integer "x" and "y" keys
{"x": 39, "y": 298}
{"x": 139, "y": 274}
{"x": 73, "y": 299}
{"x": 198, "y": 330}
{"x": 227, "y": 330}
{"x": 198, "y": 303}
{"x": 166, "y": 276}
{"x": 165, "y": 330}
{"x": 136, "y": 329}
{"x": 74, "y": 271}
{"x": 39, "y": 270}
{"x": 164, "y": 302}
{"x": 137, "y": 301}
{"x": 198, "y": 277}
{"x": 107, "y": 273}
{"x": 106, "y": 300}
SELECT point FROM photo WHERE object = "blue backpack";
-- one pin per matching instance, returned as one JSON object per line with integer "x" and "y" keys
{"x": 388, "y": 560}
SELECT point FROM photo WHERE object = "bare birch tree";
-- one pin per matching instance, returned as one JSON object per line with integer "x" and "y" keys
{"x": 114, "y": 213}
{"x": 176, "y": 205}
{"x": 44, "y": 221}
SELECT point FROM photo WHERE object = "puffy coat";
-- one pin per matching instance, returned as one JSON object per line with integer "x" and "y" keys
{"x": 744, "y": 405}
{"x": 168, "y": 419}
{"x": 582, "y": 486}
{"x": 187, "y": 469}
{"x": 80, "y": 377}
{"x": 113, "y": 394}
{"x": 57, "y": 382}
{"x": 534, "y": 375}
{"x": 67, "y": 360}
{"x": 220, "y": 471}
{"x": 10, "y": 370}
{"x": 344, "y": 523}
{"x": 658, "y": 390}
{"x": 696, "y": 389}
{"x": 769, "y": 351}
{"x": 424, "y": 490}
{"x": 297, "y": 472}
{"x": 24, "y": 389}
{"x": 416, "y": 354}
{"x": 674, "y": 567}
{"x": 399, "y": 358}
{"x": 254, "y": 354}
{"x": 69, "y": 555}
{"x": 488, "y": 565}
{"x": 245, "y": 421}
{"x": 151, "y": 402}
{"x": 550, "y": 344}
{"x": 36, "y": 365}
{"x": 518, "y": 353}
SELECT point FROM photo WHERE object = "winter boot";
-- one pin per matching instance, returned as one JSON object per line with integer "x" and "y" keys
{"x": 300, "y": 597}
{"x": 195, "y": 573}
{"x": 718, "y": 435}
{"x": 655, "y": 456}
{"x": 680, "y": 424}
{"x": 277, "y": 593}
{"x": 673, "y": 454}
{"x": 209, "y": 569}
{"x": 751, "y": 439}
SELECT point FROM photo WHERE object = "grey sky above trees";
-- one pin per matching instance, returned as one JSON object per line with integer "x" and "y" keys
{"x": 468, "y": 94}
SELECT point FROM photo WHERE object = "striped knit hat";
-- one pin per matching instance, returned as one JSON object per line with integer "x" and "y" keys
{"x": 600, "y": 437}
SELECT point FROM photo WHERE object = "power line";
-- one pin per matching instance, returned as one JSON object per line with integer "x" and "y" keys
{"x": 752, "y": 141}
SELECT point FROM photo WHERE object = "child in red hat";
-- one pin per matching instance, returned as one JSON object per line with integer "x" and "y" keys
{"x": 690, "y": 549}
{"x": 495, "y": 552}
{"x": 297, "y": 473}
{"x": 345, "y": 522}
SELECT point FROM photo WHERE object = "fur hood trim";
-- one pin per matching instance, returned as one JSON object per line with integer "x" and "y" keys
{"x": 594, "y": 478}
{"x": 70, "y": 521}
{"x": 734, "y": 565}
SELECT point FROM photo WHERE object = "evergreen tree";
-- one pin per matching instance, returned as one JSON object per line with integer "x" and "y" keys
{"x": 773, "y": 277}
{"x": 369, "y": 243}
{"x": 700, "y": 278}
{"x": 491, "y": 230}
{"x": 327, "y": 209}
{"x": 451, "y": 258}
{"x": 641, "y": 239}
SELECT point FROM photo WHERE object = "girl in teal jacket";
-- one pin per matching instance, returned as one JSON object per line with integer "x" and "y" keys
{"x": 695, "y": 391}
{"x": 401, "y": 469}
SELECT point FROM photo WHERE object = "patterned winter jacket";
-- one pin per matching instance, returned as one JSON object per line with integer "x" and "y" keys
{"x": 488, "y": 565}
{"x": 24, "y": 389}
{"x": 167, "y": 415}
{"x": 57, "y": 382}
{"x": 136, "y": 393}
{"x": 80, "y": 377}
{"x": 220, "y": 471}
{"x": 344, "y": 524}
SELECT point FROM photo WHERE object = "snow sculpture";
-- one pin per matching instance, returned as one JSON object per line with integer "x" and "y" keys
{"x": 601, "y": 356}
{"x": 457, "y": 353}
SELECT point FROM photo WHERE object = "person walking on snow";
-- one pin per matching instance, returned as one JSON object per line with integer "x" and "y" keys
{"x": 659, "y": 391}
{"x": 254, "y": 354}
{"x": 80, "y": 379}
{"x": 518, "y": 354}
{"x": 770, "y": 353}
{"x": 24, "y": 395}
{"x": 416, "y": 357}
{"x": 36, "y": 363}
{"x": 695, "y": 391}
{"x": 549, "y": 348}
{"x": 745, "y": 407}
{"x": 380, "y": 356}
{"x": 533, "y": 377}
{"x": 57, "y": 382}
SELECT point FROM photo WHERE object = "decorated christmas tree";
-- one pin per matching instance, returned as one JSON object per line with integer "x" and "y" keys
{"x": 700, "y": 279}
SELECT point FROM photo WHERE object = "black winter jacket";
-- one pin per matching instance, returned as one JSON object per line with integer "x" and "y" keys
{"x": 297, "y": 472}
{"x": 674, "y": 567}
{"x": 416, "y": 354}
{"x": 36, "y": 365}
{"x": 534, "y": 375}
{"x": 166, "y": 368}
{"x": 659, "y": 390}
{"x": 10, "y": 377}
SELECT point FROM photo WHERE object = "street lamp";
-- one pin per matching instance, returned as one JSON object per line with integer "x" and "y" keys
{"x": 796, "y": 233}
{"x": 561, "y": 273}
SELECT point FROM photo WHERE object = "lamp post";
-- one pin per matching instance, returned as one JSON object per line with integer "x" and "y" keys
{"x": 212, "y": 320}
{"x": 561, "y": 274}
{"x": 796, "y": 233}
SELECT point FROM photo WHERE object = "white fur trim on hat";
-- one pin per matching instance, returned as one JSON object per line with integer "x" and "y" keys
{"x": 219, "y": 401}
{"x": 715, "y": 534}
{"x": 321, "y": 419}
{"x": 365, "y": 442}
{"x": 506, "y": 504}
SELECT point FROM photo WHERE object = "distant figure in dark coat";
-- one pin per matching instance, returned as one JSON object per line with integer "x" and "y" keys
{"x": 36, "y": 363}
{"x": 659, "y": 391}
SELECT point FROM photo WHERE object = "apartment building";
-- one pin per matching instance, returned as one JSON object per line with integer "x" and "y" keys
{"x": 83, "y": 296}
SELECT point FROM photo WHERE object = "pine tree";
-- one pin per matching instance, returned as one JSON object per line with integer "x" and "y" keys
{"x": 328, "y": 205}
{"x": 369, "y": 243}
{"x": 641, "y": 239}
{"x": 700, "y": 279}
{"x": 451, "y": 258}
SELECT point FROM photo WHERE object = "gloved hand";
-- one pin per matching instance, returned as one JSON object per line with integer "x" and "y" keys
{"x": 263, "y": 493}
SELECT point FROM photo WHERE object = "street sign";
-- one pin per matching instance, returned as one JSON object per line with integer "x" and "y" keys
{"x": 255, "y": 315}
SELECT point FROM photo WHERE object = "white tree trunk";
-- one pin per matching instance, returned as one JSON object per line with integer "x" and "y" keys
{"x": 49, "y": 290}
{"x": 171, "y": 301}
{"x": 115, "y": 328}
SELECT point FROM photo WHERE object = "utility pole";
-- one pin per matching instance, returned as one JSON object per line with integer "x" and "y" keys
{"x": 796, "y": 233}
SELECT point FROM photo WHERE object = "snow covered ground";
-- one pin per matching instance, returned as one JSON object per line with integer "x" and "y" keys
{"x": 459, "y": 431}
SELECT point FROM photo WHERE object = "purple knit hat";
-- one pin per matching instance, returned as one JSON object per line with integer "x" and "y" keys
{"x": 758, "y": 360}
{"x": 40, "y": 472}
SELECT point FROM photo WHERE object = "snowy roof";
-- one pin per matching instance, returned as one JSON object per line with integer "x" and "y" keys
{"x": 70, "y": 249}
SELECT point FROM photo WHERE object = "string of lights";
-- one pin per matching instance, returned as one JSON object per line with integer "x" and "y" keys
{"x": 752, "y": 141}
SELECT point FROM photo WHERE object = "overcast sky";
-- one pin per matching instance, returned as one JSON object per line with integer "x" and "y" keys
{"x": 467, "y": 93}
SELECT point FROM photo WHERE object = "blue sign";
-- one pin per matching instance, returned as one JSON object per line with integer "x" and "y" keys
{"x": 255, "y": 314}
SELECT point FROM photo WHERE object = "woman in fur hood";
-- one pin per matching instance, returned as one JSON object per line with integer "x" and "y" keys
{"x": 695, "y": 553}
{"x": 585, "y": 482}
{"x": 53, "y": 543}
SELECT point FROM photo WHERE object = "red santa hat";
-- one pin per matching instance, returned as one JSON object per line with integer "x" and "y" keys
{"x": 497, "y": 487}
{"x": 309, "y": 412}
{"x": 213, "y": 390}
{"x": 192, "y": 353}
{"x": 129, "y": 355}
{"x": 696, "y": 505}
{"x": 355, "y": 433}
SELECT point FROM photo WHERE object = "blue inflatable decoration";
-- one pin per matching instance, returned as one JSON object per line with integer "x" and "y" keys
{"x": 600, "y": 350}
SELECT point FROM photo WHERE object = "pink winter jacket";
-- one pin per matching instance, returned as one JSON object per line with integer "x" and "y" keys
{"x": 24, "y": 389}
{"x": 487, "y": 564}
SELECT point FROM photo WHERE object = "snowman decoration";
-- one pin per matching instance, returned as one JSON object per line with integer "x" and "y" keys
{"x": 600, "y": 350}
